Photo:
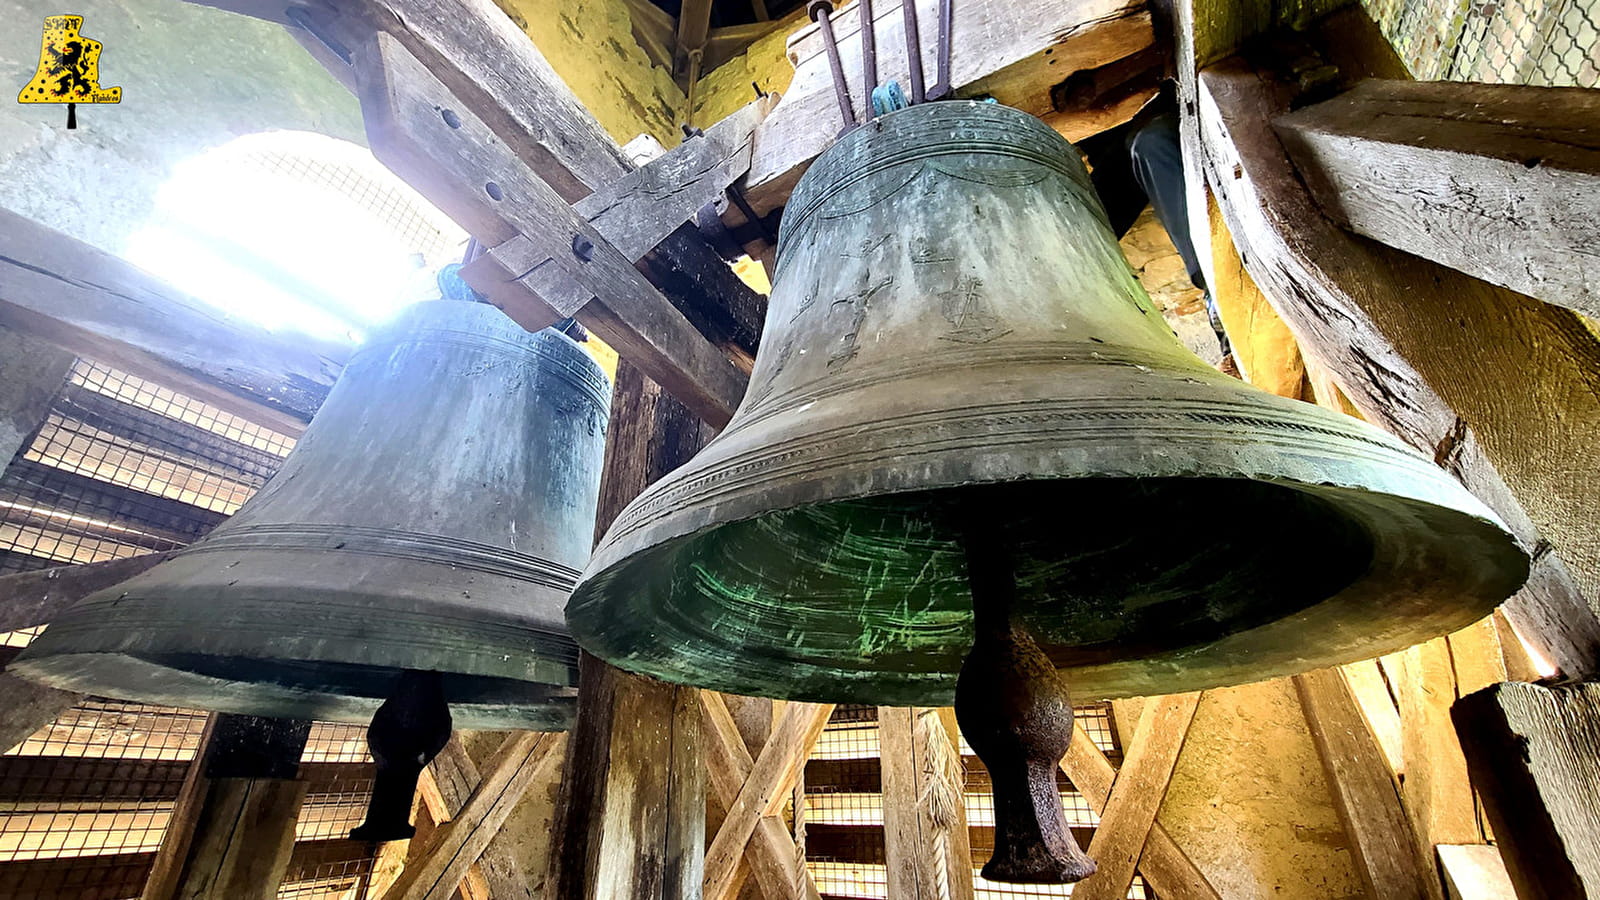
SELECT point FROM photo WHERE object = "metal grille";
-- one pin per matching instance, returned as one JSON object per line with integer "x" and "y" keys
{"x": 1554, "y": 43}
{"x": 122, "y": 467}
{"x": 843, "y": 812}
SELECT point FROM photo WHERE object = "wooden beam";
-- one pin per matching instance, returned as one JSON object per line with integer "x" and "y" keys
{"x": 1535, "y": 753}
{"x": 1495, "y": 180}
{"x": 1141, "y": 785}
{"x": 26, "y": 707}
{"x": 1163, "y": 864}
{"x": 1359, "y": 306}
{"x": 64, "y": 291}
{"x": 454, "y": 776}
{"x": 465, "y": 169}
{"x": 694, "y": 24}
{"x": 616, "y": 798}
{"x": 927, "y": 851}
{"x": 1013, "y": 52}
{"x": 1390, "y": 859}
{"x": 526, "y": 758}
{"x": 764, "y": 792}
{"x": 231, "y": 834}
{"x": 1380, "y": 711}
{"x": 1475, "y": 872}
{"x": 771, "y": 857}
{"x": 35, "y": 373}
{"x": 34, "y": 598}
{"x": 635, "y": 214}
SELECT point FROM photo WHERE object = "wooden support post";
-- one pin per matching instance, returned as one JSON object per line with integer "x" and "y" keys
{"x": 1130, "y": 812}
{"x": 926, "y": 842}
{"x": 232, "y": 833}
{"x": 1163, "y": 864}
{"x": 1391, "y": 860}
{"x": 525, "y": 759}
{"x": 1534, "y": 752}
{"x": 1436, "y": 792}
{"x": 763, "y": 793}
{"x": 1496, "y": 180}
{"x": 630, "y": 818}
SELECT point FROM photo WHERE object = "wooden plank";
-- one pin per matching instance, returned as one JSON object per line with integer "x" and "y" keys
{"x": 1535, "y": 753}
{"x": 27, "y": 707}
{"x": 635, "y": 213}
{"x": 64, "y": 291}
{"x": 1014, "y": 52}
{"x": 1475, "y": 872}
{"x": 771, "y": 857}
{"x": 459, "y": 164}
{"x": 684, "y": 869}
{"x": 35, "y": 373}
{"x": 907, "y": 851}
{"x": 34, "y": 598}
{"x": 958, "y": 848}
{"x": 764, "y": 792}
{"x": 1359, "y": 306}
{"x": 1141, "y": 785}
{"x": 525, "y": 759}
{"x": 1496, "y": 180}
{"x": 1164, "y": 864}
{"x": 453, "y": 777}
{"x": 1436, "y": 792}
{"x": 1379, "y": 710}
{"x": 1389, "y": 858}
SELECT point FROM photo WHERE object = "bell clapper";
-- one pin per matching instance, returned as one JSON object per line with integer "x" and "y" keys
{"x": 1013, "y": 708}
{"x": 407, "y": 732}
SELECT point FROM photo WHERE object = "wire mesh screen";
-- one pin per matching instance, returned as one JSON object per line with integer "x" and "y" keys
{"x": 1554, "y": 43}
{"x": 122, "y": 467}
{"x": 843, "y": 809}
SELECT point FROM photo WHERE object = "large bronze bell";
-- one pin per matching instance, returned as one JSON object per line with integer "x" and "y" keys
{"x": 964, "y": 399}
{"x": 432, "y": 519}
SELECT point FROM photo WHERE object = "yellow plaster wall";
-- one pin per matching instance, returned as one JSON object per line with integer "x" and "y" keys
{"x": 727, "y": 87}
{"x": 1249, "y": 803}
{"x": 590, "y": 44}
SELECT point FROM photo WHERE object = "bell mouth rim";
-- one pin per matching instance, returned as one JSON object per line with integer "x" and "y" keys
{"x": 1365, "y": 633}
{"x": 520, "y": 705}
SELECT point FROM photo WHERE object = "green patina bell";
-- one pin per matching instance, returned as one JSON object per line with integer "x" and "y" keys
{"x": 952, "y": 322}
{"x": 432, "y": 519}
{"x": 971, "y": 447}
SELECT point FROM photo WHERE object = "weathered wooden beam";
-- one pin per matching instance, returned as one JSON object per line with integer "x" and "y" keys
{"x": 1130, "y": 812}
{"x": 1013, "y": 52}
{"x": 694, "y": 24}
{"x": 35, "y": 372}
{"x": 34, "y": 598}
{"x": 1474, "y": 872}
{"x": 614, "y": 815}
{"x": 635, "y": 213}
{"x": 764, "y": 792}
{"x": 26, "y": 707}
{"x": 415, "y": 127}
{"x": 64, "y": 291}
{"x": 231, "y": 834}
{"x": 1496, "y": 180}
{"x": 771, "y": 856}
{"x": 1163, "y": 864}
{"x": 927, "y": 855}
{"x": 526, "y": 758}
{"x": 1534, "y": 752}
{"x": 1428, "y": 370}
{"x": 454, "y": 776}
{"x": 1390, "y": 859}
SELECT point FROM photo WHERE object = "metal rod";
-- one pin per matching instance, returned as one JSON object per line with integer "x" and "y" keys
{"x": 821, "y": 12}
{"x": 942, "y": 88}
{"x": 908, "y": 9}
{"x": 869, "y": 56}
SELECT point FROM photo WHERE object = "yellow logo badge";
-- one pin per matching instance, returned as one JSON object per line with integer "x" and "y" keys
{"x": 69, "y": 69}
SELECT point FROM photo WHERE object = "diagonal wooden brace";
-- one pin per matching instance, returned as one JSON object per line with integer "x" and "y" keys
{"x": 752, "y": 821}
{"x": 418, "y": 128}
